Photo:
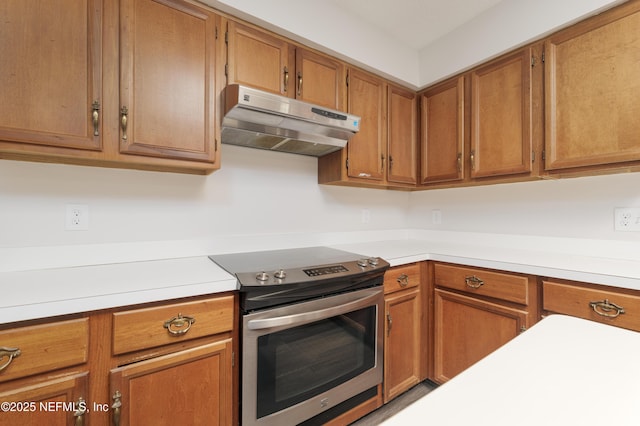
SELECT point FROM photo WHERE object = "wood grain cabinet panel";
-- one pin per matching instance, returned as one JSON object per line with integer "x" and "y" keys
{"x": 402, "y": 278}
{"x": 402, "y": 119}
{"x": 151, "y": 327}
{"x": 51, "y": 73}
{"x": 608, "y": 305}
{"x": 44, "y": 348}
{"x": 592, "y": 87}
{"x": 167, "y": 90}
{"x": 501, "y": 105}
{"x": 443, "y": 130}
{"x": 319, "y": 79}
{"x": 188, "y": 387}
{"x": 61, "y": 401}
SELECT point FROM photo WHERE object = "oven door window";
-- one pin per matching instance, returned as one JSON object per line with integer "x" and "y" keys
{"x": 301, "y": 362}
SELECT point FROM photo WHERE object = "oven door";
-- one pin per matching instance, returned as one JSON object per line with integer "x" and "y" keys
{"x": 302, "y": 359}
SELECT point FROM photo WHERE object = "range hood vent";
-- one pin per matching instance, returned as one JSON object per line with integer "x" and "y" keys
{"x": 264, "y": 120}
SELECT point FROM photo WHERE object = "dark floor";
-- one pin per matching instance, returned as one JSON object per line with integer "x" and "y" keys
{"x": 388, "y": 410}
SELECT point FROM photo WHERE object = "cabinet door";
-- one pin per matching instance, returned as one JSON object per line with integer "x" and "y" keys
{"x": 50, "y": 72}
{"x": 443, "y": 132}
{"x": 366, "y": 149}
{"x": 191, "y": 387}
{"x": 501, "y": 132}
{"x": 259, "y": 60}
{"x": 592, "y": 87}
{"x": 58, "y": 402}
{"x": 468, "y": 329}
{"x": 402, "y": 343}
{"x": 319, "y": 79}
{"x": 167, "y": 52}
{"x": 402, "y": 136}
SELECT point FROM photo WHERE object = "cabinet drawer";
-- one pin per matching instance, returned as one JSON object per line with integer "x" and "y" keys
{"x": 592, "y": 303}
{"x": 150, "y": 327}
{"x": 43, "y": 348}
{"x": 401, "y": 277}
{"x": 499, "y": 285}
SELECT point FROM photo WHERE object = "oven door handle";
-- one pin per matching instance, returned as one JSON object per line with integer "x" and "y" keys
{"x": 307, "y": 317}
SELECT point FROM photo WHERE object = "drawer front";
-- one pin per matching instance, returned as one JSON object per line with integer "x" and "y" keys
{"x": 402, "y": 277}
{"x": 499, "y": 285}
{"x": 602, "y": 305}
{"x": 37, "y": 349}
{"x": 151, "y": 327}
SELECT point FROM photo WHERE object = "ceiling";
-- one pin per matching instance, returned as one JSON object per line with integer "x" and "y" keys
{"x": 416, "y": 23}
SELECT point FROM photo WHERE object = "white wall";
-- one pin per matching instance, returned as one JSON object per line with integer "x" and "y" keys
{"x": 255, "y": 192}
{"x": 577, "y": 207}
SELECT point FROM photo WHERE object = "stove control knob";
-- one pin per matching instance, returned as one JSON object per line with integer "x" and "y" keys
{"x": 280, "y": 274}
{"x": 262, "y": 276}
{"x": 362, "y": 262}
{"x": 373, "y": 261}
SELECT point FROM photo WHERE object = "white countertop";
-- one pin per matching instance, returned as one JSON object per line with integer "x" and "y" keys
{"x": 43, "y": 282}
{"x": 562, "y": 371}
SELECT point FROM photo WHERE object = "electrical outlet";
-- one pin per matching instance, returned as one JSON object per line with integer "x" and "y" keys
{"x": 77, "y": 217}
{"x": 436, "y": 217}
{"x": 627, "y": 219}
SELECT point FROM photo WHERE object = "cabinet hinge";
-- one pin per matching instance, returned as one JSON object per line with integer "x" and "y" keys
{"x": 346, "y": 163}
{"x": 226, "y": 70}
{"x": 347, "y": 79}
{"x": 533, "y": 156}
{"x": 215, "y": 145}
{"x": 233, "y": 359}
{"x": 216, "y": 32}
{"x": 543, "y": 56}
{"x": 533, "y": 61}
{"x": 544, "y": 155}
{"x": 226, "y": 37}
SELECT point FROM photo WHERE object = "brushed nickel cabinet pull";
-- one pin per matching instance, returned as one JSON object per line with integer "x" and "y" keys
{"x": 473, "y": 282}
{"x": 10, "y": 354}
{"x": 81, "y": 410}
{"x": 116, "y": 407}
{"x": 179, "y": 325}
{"x": 362, "y": 174}
{"x": 286, "y": 79}
{"x": 403, "y": 280}
{"x": 473, "y": 160}
{"x": 95, "y": 117}
{"x": 124, "y": 114}
{"x": 606, "y": 309}
{"x": 382, "y": 163}
{"x": 390, "y": 163}
{"x": 459, "y": 162}
{"x": 299, "y": 83}
{"x": 389, "y": 323}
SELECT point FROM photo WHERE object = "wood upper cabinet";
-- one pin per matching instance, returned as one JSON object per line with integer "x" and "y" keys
{"x": 592, "y": 87}
{"x": 366, "y": 150}
{"x": 501, "y": 122}
{"x": 443, "y": 132}
{"x": 167, "y": 96}
{"x": 258, "y": 59}
{"x": 264, "y": 61}
{"x": 51, "y": 73}
{"x": 402, "y": 142}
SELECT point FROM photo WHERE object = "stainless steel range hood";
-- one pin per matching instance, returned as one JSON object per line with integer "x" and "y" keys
{"x": 264, "y": 120}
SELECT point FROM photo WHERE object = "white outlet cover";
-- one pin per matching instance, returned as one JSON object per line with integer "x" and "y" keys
{"x": 627, "y": 219}
{"x": 76, "y": 217}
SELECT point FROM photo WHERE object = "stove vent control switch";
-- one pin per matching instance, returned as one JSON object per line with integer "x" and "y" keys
{"x": 262, "y": 276}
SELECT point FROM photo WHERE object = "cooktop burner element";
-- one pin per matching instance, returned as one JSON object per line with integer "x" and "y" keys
{"x": 267, "y": 278}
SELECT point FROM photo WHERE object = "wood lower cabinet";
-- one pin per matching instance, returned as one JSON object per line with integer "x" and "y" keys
{"x": 609, "y": 305}
{"x": 404, "y": 331}
{"x": 168, "y": 363}
{"x": 592, "y": 90}
{"x": 187, "y": 387}
{"x": 475, "y": 312}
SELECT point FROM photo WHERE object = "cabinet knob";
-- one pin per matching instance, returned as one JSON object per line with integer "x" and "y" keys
{"x": 81, "y": 410}
{"x": 116, "y": 407}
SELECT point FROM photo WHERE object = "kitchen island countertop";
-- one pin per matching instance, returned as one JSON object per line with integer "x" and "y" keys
{"x": 562, "y": 371}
